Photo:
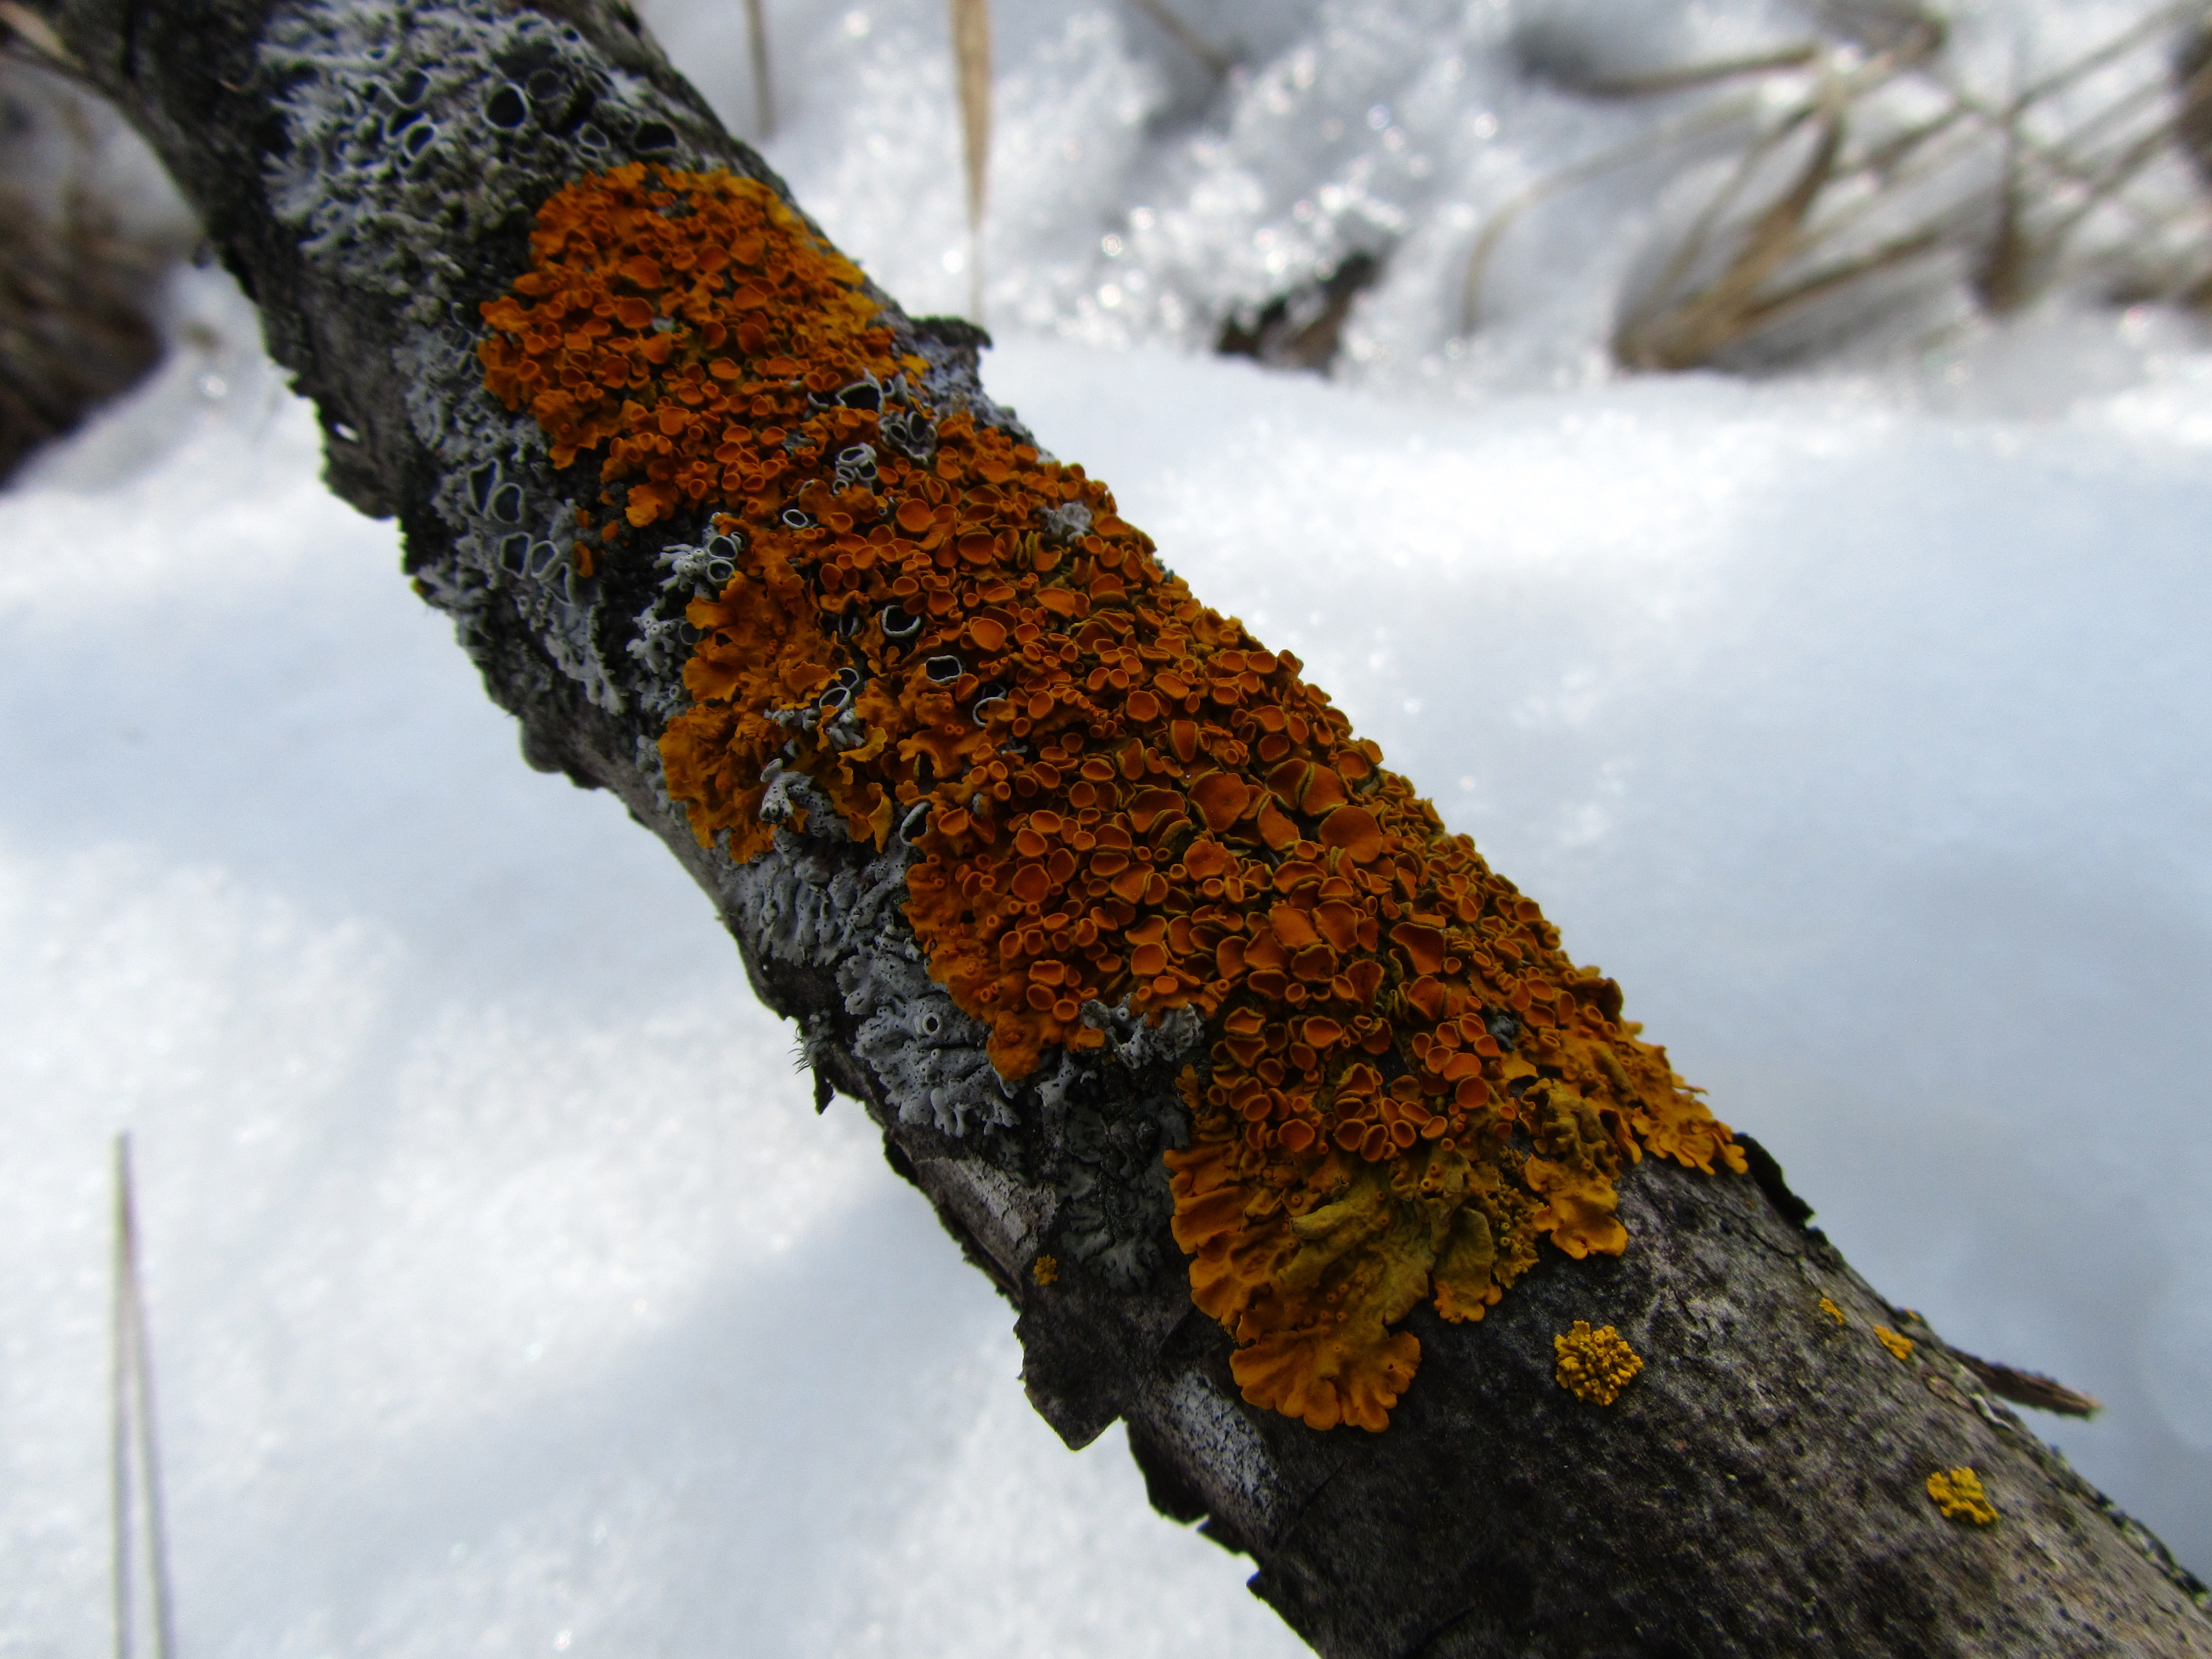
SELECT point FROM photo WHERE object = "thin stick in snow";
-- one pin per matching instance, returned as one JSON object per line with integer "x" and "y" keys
{"x": 130, "y": 1402}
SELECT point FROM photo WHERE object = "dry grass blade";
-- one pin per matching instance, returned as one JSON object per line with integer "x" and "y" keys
{"x": 1217, "y": 63}
{"x": 2000, "y": 279}
{"x": 27, "y": 28}
{"x": 764, "y": 85}
{"x": 2014, "y": 214}
{"x": 120, "y": 1376}
{"x": 1722, "y": 203}
{"x": 1961, "y": 171}
{"x": 1697, "y": 75}
{"x": 1691, "y": 330}
{"x": 1768, "y": 309}
{"x": 2141, "y": 32}
{"x": 1710, "y": 120}
{"x": 2101, "y": 182}
{"x": 131, "y": 1406}
{"x": 971, "y": 53}
{"x": 2192, "y": 66}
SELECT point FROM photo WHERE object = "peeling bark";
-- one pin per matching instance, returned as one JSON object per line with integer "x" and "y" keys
{"x": 1761, "y": 1488}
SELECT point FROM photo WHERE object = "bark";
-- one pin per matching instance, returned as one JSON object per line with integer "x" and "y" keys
{"x": 1760, "y": 1489}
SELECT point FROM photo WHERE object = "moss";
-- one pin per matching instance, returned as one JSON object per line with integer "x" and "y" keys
{"x": 1958, "y": 1494}
{"x": 1119, "y": 803}
{"x": 1595, "y": 1366}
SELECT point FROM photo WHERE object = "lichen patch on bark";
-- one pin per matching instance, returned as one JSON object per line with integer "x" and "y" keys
{"x": 1120, "y": 802}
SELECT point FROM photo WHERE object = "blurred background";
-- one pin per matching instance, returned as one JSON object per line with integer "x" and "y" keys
{"x": 1746, "y": 462}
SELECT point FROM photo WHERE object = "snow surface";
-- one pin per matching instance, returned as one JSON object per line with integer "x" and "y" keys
{"x": 507, "y": 1298}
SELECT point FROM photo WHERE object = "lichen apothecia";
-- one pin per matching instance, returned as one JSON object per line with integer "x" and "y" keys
{"x": 1595, "y": 1365}
{"x": 1958, "y": 1494}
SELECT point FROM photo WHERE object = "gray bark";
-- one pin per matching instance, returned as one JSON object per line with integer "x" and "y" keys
{"x": 1760, "y": 1489}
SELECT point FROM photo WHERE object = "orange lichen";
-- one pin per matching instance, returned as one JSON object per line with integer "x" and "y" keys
{"x": 1958, "y": 1492}
{"x": 1900, "y": 1346}
{"x": 1045, "y": 1270}
{"x": 1595, "y": 1366}
{"x": 1115, "y": 794}
{"x": 1829, "y": 1308}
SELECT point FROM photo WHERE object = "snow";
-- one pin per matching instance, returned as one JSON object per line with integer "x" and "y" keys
{"x": 1134, "y": 198}
{"x": 505, "y": 1295}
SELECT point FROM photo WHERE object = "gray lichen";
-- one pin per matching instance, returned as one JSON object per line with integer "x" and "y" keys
{"x": 1068, "y": 522}
{"x": 802, "y": 904}
{"x": 417, "y": 129}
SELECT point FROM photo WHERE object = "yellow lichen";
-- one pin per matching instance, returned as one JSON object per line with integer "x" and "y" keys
{"x": 1115, "y": 794}
{"x": 1899, "y": 1347}
{"x": 1829, "y": 1308}
{"x": 1595, "y": 1366}
{"x": 1045, "y": 1270}
{"x": 1958, "y": 1492}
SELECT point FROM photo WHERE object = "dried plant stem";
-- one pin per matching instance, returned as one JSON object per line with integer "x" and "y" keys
{"x": 1718, "y": 207}
{"x": 971, "y": 55}
{"x": 763, "y": 85}
{"x": 1699, "y": 75}
{"x": 1692, "y": 329}
{"x": 1711, "y": 119}
{"x": 120, "y": 1505}
{"x": 2045, "y": 188}
{"x": 2001, "y": 277}
{"x": 2144, "y": 31}
{"x": 29, "y": 35}
{"x": 130, "y": 1402}
{"x": 1217, "y": 63}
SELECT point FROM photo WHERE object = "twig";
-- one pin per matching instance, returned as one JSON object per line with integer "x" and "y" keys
{"x": 2030, "y": 1387}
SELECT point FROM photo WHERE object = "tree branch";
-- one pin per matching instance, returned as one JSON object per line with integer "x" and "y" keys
{"x": 371, "y": 174}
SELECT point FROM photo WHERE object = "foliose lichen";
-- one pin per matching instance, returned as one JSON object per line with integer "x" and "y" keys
{"x": 1126, "y": 832}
